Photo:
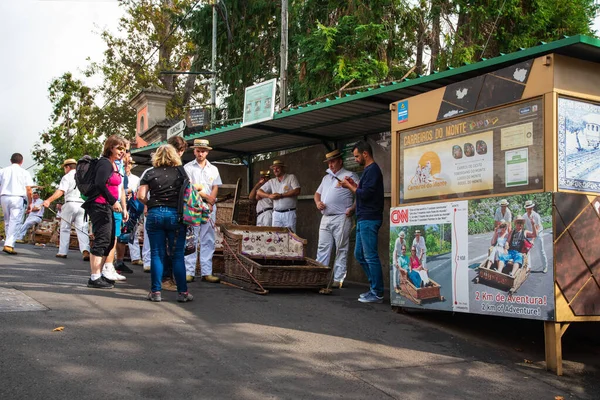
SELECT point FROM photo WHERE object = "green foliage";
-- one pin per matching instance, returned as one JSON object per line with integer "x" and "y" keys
{"x": 71, "y": 134}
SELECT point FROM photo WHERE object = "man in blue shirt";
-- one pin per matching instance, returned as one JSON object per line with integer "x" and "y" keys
{"x": 369, "y": 214}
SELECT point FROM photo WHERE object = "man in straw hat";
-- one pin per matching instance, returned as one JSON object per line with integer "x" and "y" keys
{"x": 264, "y": 206}
{"x": 336, "y": 203}
{"x": 515, "y": 246}
{"x": 284, "y": 190}
{"x": 15, "y": 188}
{"x": 71, "y": 212}
{"x": 533, "y": 221}
{"x": 399, "y": 258}
{"x": 206, "y": 177}
{"x": 34, "y": 216}
{"x": 503, "y": 213}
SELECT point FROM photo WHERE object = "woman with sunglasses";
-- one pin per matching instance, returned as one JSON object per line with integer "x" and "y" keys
{"x": 100, "y": 209}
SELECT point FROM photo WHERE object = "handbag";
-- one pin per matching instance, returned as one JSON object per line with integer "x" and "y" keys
{"x": 527, "y": 245}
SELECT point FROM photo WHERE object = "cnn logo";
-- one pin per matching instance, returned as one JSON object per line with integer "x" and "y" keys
{"x": 399, "y": 216}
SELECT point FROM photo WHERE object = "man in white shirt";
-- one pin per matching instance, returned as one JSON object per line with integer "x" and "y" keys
{"x": 206, "y": 178}
{"x": 15, "y": 188}
{"x": 264, "y": 206}
{"x": 419, "y": 244}
{"x": 33, "y": 218}
{"x": 133, "y": 182}
{"x": 503, "y": 213}
{"x": 538, "y": 243}
{"x": 337, "y": 206}
{"x": 71, "y": 213}
{"x": 284, "y": 190}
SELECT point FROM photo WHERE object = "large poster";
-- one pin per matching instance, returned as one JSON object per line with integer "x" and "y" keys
{"x": 493, "y": 152}
{"x": 488, "y": 256}
{"x": 578, "y": 145}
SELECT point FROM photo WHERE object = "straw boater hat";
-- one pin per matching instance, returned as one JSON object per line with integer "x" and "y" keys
{"x": 201, "y": 144}
{"x": 504, "y": 202}
{"x": 520, "y": 218}
{"x": 332, "y": 155}
{"x": 529, "y": 204}
{"x": 402, "y": 234}
{"x": 418, "y": 231}
{"x": 69, "y": 161}
{"x": 277, "y": 163}
{"x": 266, "y": 173}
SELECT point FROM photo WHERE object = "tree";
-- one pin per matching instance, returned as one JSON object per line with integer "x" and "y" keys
{"x": 152, "y": 38}
{"x": 71, "y": 134}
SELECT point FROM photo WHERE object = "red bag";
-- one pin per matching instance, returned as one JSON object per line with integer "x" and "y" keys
{"x": 527, "y": 245}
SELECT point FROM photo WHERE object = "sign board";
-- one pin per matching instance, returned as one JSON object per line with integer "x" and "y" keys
{"x": 465, "y": 274}
{"x": 259, "y": 102}
{"x": 403, "y": 111}
{"x": 198, "y": 117}
{"x": 491, "y": 152}
{"x": 176, "y": 129}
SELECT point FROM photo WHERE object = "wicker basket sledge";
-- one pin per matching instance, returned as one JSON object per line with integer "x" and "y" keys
{"x": 270, "y": 257}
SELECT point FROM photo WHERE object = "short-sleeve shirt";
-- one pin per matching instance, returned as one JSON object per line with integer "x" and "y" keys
{"x": 537, "y": 220}
{"x": 133, "y": 182}
{"x": 206, "y": 177}
{"x": 506, "y": 217}
{"x": 68, "y": 186}
{"x": 263, "y": 204}
{"x": 336, "y": 198}
{"x": 289, "y": 182}
{"x": 38, "y": 203}
{"x": 165, "y": 184}
{"x": 14, "y": 180}
{"x": 420, "y": 244}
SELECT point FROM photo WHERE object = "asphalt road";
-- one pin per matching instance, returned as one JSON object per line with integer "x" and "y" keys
{"x": 229, "y": 343}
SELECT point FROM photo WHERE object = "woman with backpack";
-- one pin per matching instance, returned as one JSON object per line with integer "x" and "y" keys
{"x": 165, "y": 181}
{"x": 100, "y": 208}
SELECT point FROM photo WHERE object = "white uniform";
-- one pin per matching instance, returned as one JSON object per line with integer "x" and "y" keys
{"x": 72, "y": 215}
{"x": 284, "y": 209}
{"x": 335, "y": 225}
{"x": 264, "y": 212}
{"x": 34, "y": 217}
{"x": 14, "y": 181}
{"x": 146, "y": 247}
{"x": 207, "y": 177}
{"x": 538, "y": 243}
{"x": 421, "y": 249}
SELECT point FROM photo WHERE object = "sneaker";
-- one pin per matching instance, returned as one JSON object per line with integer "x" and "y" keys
{"x": 86, "y": 255}
{"x": 154, "y": 296}
{"x": 189, "y": 278}
{"x": 137, "y": 262}
{"x": 122, "y": 268}
{"x": 9, "y": 250}
{"x": 107, "y": 280}
{"x": 545, "y": 269}
{"x": 109, "y": 272}
{"x": 371, "y": 298}
{"x": 146, "y": 268}
{"x": 169, "y": 285}
{"x": 61, "y": 256}
{"x": 20, "y": 241}
{"x": 99, "y": 284}
{"x": 363, "y": 295}
{"x": 184, "y": 297}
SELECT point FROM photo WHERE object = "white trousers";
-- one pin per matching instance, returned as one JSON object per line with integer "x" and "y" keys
{"x": 285, "y": 219}
{"x": 265, "y": 219}
{"x": 146, "y": 247}
{"x": 334, "y": 229}
{"x": 205, "y": 236}
{"x": 29, "y": 222}
{"x": 134, "y": 248}
{"x": 12, "y": 208}
{"x": 73, "y": 215}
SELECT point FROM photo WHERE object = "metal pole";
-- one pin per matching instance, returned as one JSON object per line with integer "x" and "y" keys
{"x": 283, "y": 54}
{"x": 213, "y": 83}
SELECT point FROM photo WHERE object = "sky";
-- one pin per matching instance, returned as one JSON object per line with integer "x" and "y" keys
{"x": 41, "y": 40}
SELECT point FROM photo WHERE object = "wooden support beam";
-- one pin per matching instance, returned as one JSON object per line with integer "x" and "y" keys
{"x": 553, "y": 332}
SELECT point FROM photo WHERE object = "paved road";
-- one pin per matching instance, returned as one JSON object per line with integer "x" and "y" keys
{"x": 233, "y": 344}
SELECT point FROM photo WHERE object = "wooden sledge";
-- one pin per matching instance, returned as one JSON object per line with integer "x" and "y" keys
{"x": 493, "y": 277}
{"x": 417, "y": 295}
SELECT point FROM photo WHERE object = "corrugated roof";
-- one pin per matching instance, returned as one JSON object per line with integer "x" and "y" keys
{"x": 363, "y": 112}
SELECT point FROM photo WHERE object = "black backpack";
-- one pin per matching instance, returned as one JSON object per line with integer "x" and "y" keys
{"x": 85, "y": 175}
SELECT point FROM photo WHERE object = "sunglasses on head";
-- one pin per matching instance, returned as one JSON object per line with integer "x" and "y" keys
{"x": 120, "y": 148}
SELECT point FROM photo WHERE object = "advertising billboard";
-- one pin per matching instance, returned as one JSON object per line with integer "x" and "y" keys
{"x": 492, "y": 152}
{"x": 490, "y": 256}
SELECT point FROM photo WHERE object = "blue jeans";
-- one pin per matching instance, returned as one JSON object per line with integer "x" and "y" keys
{"x": 165, "y": 230}
{"x": 366, "y": 253}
